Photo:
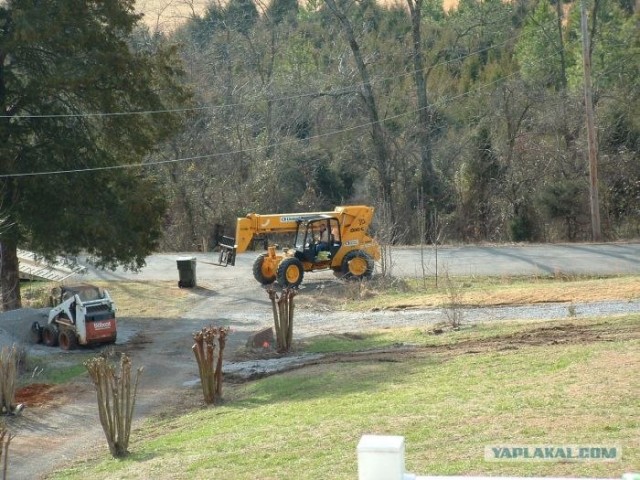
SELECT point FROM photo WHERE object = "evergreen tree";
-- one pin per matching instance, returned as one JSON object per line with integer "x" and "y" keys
{"x": 241, "y": 16}
{"x": 540, "y": 40}
{"x": 68, "y": 76}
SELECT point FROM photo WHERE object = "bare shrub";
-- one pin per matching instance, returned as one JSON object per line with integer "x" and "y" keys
{"x": 357, "y": 290}
{"x": 5, "y": 440}
{"x": 37, "y": 295}
{"x": 208, "y": 348}
{"x": 9, "y": 359}
{"x": 116, "y": 400}
{"x": 361, "y": 290}
{"x": 283, "y": 310}
{"x": 454, "y": 308}
{"x": 387, "y": 234}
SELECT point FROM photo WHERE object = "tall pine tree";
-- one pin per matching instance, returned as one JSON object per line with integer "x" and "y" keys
{"x": 68, "y": 75}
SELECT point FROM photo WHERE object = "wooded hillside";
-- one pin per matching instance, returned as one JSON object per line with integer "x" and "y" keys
{"x": 468, "y": 124}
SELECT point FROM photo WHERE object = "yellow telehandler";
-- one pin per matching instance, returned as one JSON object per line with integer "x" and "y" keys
{"x": 337, "y": 240}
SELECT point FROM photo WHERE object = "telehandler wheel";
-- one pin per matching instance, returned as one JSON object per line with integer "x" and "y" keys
{"x": 357, "y": 265}
{"x": 50, "y": 335}
{"x": 290, "y": 272}
{"x": 67, "y": 339}
{"x": 264, "y": 272}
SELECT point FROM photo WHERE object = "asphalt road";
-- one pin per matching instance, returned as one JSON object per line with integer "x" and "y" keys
{"x": 499, "y": 260}
{"x": 566, "y": 259}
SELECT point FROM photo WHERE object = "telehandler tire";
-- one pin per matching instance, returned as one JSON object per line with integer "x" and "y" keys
{"x": 263, "y": 271}
{"x": 50, "y": 335}
{"x": 67, "y": 339}
{"x": 357, "y": 265}
{"x": 290, "y": 272}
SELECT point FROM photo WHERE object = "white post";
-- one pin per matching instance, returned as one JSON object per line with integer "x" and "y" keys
{"x": 381, "y": 457}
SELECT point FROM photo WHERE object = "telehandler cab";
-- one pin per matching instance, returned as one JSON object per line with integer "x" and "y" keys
{"x": 337, "y": 240}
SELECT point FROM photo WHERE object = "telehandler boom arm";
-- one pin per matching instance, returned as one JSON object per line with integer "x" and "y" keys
{"x": 353, "y": 219}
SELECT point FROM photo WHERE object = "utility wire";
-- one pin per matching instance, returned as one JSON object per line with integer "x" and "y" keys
{"x": 254, "y": 149}
{"x": 438, "y": 103}
{"x": 332, "y": 92}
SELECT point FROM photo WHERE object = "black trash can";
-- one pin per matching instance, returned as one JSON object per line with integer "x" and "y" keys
{"x": 187, "y": 270}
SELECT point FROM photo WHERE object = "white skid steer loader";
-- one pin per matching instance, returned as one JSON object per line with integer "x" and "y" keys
{"x": 84, "y": 315}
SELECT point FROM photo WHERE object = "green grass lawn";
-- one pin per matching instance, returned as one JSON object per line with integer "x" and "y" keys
{"x": 558, "y": 383}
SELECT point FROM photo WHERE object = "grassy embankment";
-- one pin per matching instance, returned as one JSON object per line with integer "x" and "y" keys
{"x": 574, "y": 381}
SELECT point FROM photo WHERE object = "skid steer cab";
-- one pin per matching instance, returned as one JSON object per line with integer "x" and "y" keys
{"x": 80, "y": 315}
{"x": 337, "y": 241}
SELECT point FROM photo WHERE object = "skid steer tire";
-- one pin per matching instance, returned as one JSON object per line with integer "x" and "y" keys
{"x": 357, "y": 265}
{"x": 263, "y": 271}
{"x": 290, "y": 273}
{"x": 67, "y": 339}
{"x": 36, "y": 333}
{"x": 50, "y": 335}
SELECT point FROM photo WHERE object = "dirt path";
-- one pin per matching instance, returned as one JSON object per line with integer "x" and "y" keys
{"x": 66, "y": 426}
{"x": 62, "y": 424}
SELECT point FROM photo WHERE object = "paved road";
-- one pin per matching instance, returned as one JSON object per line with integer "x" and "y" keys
{"x": 502, "y": 260}
{"x": 568, "y": 259}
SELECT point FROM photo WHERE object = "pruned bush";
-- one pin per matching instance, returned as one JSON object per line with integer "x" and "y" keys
{"x": 5, "y": 440}
{"x": 208, "y": 348}
{"x": 116, "y": 400}
{"x": 9, "y": 359}
{"x": 283, "y": 310}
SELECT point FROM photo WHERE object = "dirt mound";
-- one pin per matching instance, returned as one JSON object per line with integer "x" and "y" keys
{"x": 36, "y": 394}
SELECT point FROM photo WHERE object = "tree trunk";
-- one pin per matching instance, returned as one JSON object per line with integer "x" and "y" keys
{"x": 9, "y": 275}
{"x": 383, "y": 164}
{"x": 427, "y": 174}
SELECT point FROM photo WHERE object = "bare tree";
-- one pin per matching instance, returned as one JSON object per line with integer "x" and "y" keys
{"x": 428, "y": 180}
{"x": 383, "y": 164}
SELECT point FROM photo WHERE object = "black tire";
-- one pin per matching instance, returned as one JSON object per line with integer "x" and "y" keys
{"x": 262, "y": 272}
{"x": 67, "y": 339}
{"x": 357, "y": 265}
{"x": 36, "y": 333}
{"x": 50, "y": 335}
{"x": 290, "y": 273}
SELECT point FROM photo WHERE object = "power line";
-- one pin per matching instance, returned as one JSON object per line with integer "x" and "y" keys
{"x": 252, "y": 149}
{"x": 264, "y": 147}
{"x": 332, "y": 92}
